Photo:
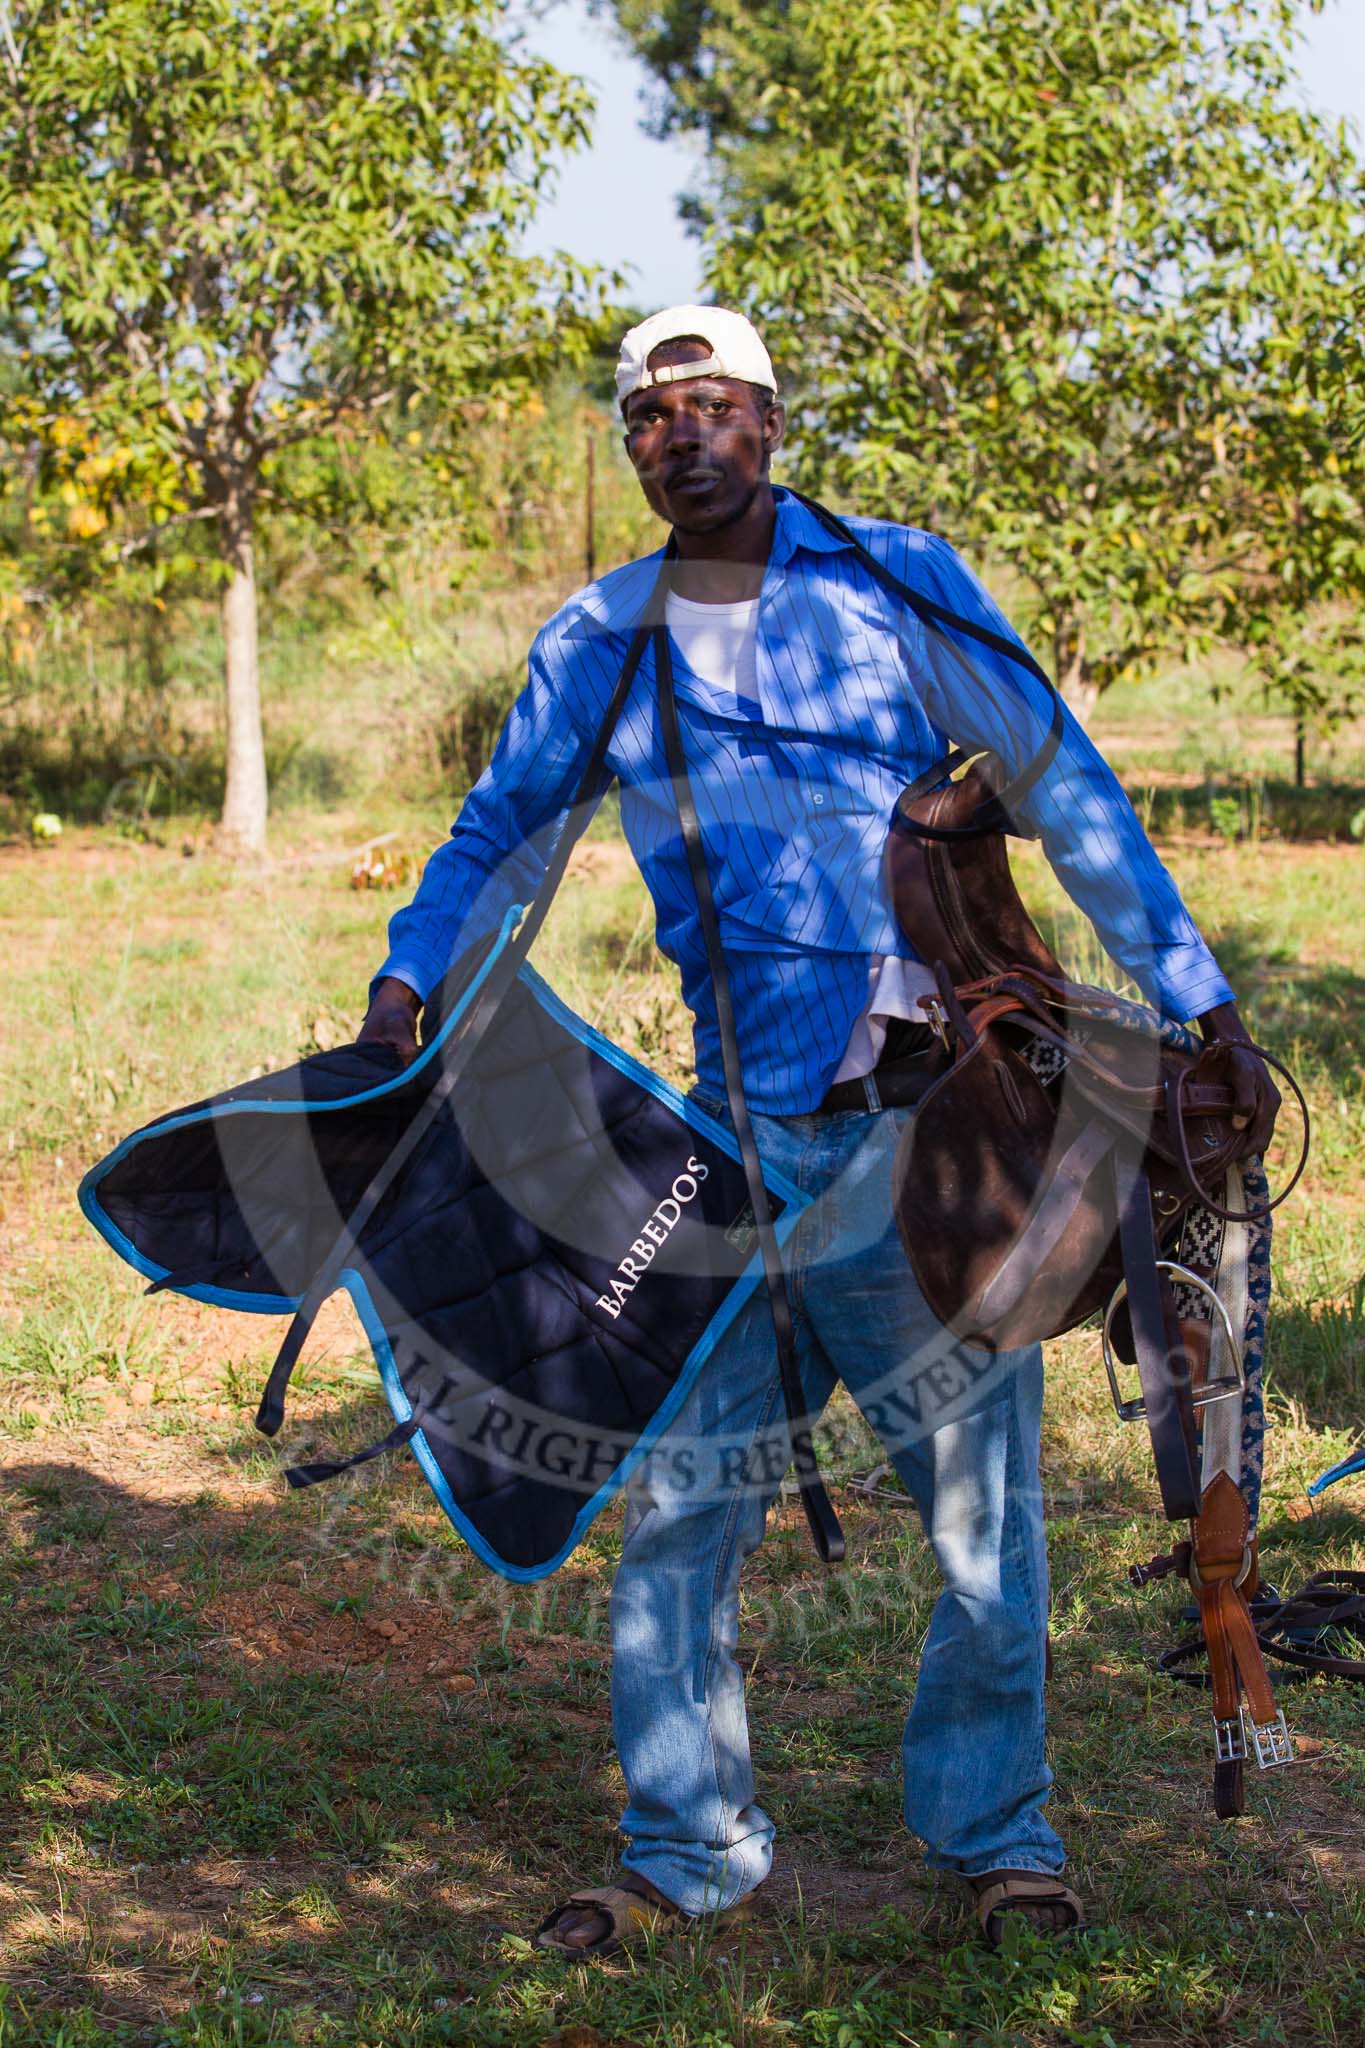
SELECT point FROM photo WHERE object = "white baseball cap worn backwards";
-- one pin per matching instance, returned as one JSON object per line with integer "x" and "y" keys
{"x": 736, "y": 349}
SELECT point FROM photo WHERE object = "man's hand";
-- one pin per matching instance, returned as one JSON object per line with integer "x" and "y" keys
{"x": 1258, "y": 1099}
{"x": 392, "y": 1019}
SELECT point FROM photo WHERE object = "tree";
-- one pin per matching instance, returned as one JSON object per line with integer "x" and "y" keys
{"x": 1295, "y": 613}
{"x": 1040, "y": 272}
{"x": 230, "y": 226}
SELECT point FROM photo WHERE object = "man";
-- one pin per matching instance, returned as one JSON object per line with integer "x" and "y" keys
{"x": 809, "y": 699}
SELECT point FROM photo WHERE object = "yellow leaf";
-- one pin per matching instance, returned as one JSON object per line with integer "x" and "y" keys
{"x": 84, "y": 521}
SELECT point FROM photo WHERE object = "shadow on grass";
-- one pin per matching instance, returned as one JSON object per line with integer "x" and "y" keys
{"x": 1315, "y": 1356}
{"x": 92, "y": 773}
{"x": 1313, "y": 1017}
{"x": 1320, "y": 1008}
{"x": 234, "y": 1731}
{"x": 237, "y": 1811}
{"x": 95, "y": 774}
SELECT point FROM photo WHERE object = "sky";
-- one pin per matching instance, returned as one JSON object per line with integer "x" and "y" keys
{"x": 615, "y": 202}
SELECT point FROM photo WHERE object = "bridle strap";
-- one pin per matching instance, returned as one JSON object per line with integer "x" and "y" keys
{"x": 1162, "y": 1361}
{"x": 824, "y": 1523}
{"x": 995, "y": 815}
{"x": 1299, "y": 1631}
{"x": 445, "y": 1071}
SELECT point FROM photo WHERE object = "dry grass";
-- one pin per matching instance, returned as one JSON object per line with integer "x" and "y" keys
{"x": 294, "y": 1768}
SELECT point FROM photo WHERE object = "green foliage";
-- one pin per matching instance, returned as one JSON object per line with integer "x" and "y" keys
{"x": 1315, "y": 657}
{"x": 402, "y": 585}
{"x": 229, "y": 227}
{"x": 1065, "y": 280}
{"x": 1225, "y": 815}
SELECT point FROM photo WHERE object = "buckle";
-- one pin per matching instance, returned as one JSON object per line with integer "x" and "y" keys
{"x": 933, "y": 1010}
{"x": 1223, "y": 1389}
{"x": 1271, "y": 1742}
{"x": 1229, "y": 1739}
{"x": 1196, "y": 1577}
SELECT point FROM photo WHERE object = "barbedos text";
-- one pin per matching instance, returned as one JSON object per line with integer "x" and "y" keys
{"x": 653, "y": 1232}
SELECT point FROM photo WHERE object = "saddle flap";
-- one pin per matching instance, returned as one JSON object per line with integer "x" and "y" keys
{"x": 999, "y": 1201}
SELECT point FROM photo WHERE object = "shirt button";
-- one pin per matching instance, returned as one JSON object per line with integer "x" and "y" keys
{"x": 819, "y": 799}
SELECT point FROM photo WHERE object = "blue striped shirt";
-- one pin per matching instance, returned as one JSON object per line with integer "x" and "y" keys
{"x": 852, "y": 698}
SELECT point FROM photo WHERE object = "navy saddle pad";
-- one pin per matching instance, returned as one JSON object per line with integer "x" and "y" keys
{"x": 541, "y": 1284}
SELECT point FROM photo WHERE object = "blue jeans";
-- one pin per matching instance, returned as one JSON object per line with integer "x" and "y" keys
{"x": 962, "y": 1431}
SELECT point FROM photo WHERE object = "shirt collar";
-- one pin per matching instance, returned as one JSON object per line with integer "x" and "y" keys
{"x": 614, "y": 605}
{"x": 798, "y": 528}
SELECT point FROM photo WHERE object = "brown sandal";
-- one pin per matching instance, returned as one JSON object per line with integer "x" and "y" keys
{"x": 628, "y": 1911}
{"x": 1025, "y": 1892}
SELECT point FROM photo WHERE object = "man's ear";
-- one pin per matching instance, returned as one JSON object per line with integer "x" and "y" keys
{"x": 774, "y": 426}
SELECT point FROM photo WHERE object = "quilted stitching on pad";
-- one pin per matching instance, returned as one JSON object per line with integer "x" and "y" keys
{"x": 486, "y": 1263}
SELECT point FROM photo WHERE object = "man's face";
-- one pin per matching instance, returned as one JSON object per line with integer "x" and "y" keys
{"x": 701, "y": 448}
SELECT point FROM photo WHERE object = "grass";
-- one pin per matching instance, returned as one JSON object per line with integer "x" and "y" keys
{"x": 295, "y": 1769}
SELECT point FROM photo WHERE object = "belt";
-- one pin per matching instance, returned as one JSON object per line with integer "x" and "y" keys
{"x": 912, "y": 1060}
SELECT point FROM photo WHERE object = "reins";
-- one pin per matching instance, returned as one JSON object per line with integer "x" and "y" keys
{"x": 1176, "y": 1119}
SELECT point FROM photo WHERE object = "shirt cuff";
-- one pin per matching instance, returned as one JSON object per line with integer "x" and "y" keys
{"x": 418, "y": 970}
{"x": 1188, "y": 980}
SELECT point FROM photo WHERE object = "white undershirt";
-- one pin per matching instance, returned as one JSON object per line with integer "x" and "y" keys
{"x": 894, "y": 989}
{"x": 717, "y": 642}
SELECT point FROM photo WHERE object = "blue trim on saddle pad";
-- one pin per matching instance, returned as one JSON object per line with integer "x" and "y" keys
{"x": 1347, "y": 1469}
{"x": 353, "y": 1279}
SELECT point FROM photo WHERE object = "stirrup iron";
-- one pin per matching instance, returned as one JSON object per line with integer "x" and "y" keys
{"x": 1221, "y": 1389}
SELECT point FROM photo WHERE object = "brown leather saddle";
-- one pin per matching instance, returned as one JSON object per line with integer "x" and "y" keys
{"x": 1054, "y": 1159}
{"x": 1046, "y": 1179}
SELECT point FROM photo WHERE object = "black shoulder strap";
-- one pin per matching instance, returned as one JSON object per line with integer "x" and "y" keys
{"x": 995, "y": 815}
{"x": 446, "y": 1070}
{"x": 824, "y": 1523}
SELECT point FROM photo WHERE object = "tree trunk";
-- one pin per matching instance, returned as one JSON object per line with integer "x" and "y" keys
{"x": 241, "y": 830}
{"x": 1073, "y": 676}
